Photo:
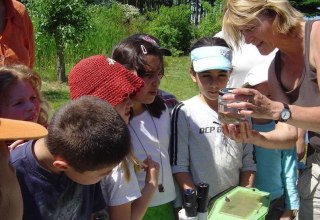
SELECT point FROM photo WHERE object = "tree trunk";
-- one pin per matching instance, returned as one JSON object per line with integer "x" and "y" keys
{"x": 61, "y": 71}
{"x": 196, "y": 14}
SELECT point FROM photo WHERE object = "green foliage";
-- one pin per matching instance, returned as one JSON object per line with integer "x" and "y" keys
{"x": 106, "y": 31}
{"x": 211, "y": 23}
{"x": 172, "y": 27}
{"x": 308, "y": 7}
{"x": 67, "y": 19}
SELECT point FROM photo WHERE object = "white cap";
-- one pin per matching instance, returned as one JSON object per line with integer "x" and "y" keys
{"x": 211, "y": 58}
{"x": 257, "y": 74}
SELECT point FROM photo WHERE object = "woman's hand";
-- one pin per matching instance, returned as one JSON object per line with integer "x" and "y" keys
{"x": 251, "y": 102}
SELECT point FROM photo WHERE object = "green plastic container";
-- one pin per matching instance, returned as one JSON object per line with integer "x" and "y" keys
{"x": 240, "y": 203}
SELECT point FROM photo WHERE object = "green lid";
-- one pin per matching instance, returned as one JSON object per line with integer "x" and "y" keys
{"x": 240, "y": 203}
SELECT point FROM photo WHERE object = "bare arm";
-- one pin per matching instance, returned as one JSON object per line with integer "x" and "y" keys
{"x": 247, "y": 178}
{"x": 301, "y": 144}
{"x": 140, "y": 205}
{"x": 120, "y": 211}
{"x": 11, "y": 206}
{"x": 184, "y": 180}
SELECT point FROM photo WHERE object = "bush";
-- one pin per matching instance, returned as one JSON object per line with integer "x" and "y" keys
{"x": 172, "y": 27}
{"x": 211, "y": 23}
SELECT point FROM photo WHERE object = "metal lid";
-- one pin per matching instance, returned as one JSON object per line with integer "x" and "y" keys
{"x": 225, "y": 91}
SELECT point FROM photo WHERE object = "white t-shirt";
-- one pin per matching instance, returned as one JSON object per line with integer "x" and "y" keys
{"x": 117, "y": 190}
{"x": 144, "y": 129}
{"x": 200, "y": 147}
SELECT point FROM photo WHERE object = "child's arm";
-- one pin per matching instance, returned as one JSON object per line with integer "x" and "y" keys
{"x": 140, "y": 206}
{"x": 184, "y": 180}
{"x": 136, "y": 209}
{"x": 247, "y": 178}
{"x": 179, "y": 148}
{"x": 11, "y": 206}
{"x": 289, "y": 178}
{"x": 248, "y": 169}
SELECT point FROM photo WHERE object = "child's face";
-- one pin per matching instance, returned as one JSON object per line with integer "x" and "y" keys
{"x": 21, "y": 102}
{"x": 210, "y": 82}
{"x": 148, "y": 92}
{"x": 124, "y": 108}
{"x": 88, "y": 177}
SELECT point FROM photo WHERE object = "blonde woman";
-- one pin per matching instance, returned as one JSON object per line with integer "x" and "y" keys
{"x": 293, "y": 81}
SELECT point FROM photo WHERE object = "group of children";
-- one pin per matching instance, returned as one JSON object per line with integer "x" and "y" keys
{"x": 115, "y": 151}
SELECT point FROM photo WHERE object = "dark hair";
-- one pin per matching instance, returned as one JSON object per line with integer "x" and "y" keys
{"x": 131, "y": 53}
{"x": 209, "y": 41}
{"x": 89, "y": 134}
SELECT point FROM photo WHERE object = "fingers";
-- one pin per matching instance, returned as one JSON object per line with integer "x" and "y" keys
{"x": 150, "y": 164}
{"x": 15, "y": 144}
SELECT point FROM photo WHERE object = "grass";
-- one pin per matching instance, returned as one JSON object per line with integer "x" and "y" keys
{"x": 176, "y": 81}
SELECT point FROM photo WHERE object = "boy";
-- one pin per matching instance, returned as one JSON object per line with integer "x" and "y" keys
{"x": 59, "y": 175}
{"x": 10, "y": 194}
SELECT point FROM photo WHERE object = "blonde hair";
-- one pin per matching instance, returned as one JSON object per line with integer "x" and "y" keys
{"x": 240, "y": 13}
{"x": 9, "y": 75}
{"x": 137, "y": 164}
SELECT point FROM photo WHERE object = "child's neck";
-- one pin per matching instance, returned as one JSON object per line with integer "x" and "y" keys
{"x": 43, "y": 156}
{"x": 138, "y": 108}
{"x": 213, "y": 104}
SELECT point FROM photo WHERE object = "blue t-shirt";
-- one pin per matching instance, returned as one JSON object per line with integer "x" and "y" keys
{"x": 277, "y": 170}
{"x": 47, "y": 195}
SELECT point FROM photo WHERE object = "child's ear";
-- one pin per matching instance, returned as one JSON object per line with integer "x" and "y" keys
{"x": 60, "y": 164}
{"x": 193, "y": 75}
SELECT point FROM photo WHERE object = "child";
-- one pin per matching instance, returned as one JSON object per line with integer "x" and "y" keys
{"x": 105, "y": 78}
{"x": 149, "y": 126}
{"x": 20, "y": 96}
{"x": 11, "y": 206}
{"x": 59, "y": 175}
{"x": 199, "y": 150}
{"x": 169, "y": 99}
{"x": 276, "y": 169}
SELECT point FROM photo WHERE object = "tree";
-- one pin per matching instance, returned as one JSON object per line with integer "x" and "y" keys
{"x": 309, "y": 7}
{"x": 66, "y": 21}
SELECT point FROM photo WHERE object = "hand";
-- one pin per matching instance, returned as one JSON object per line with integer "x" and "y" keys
{"x": 10, "y": 195}
{"x": 152, "y": 171}
{"x": 287, "y": 215}
{"x": 301, "y": 147}
{"x": 241, "y": 133}
{"x": 15, "y": 144}
{"x": 251, "y": 102}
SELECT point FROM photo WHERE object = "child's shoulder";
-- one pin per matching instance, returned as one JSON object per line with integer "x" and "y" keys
{"x": 20, "y": 152}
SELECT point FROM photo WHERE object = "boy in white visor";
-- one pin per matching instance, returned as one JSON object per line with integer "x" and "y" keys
{"x": 199, "y": 150}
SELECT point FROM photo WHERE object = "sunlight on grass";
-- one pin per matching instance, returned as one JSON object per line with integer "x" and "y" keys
{"x": 176, "y": 81}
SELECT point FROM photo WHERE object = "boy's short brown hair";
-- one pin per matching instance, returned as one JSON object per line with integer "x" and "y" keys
{"x": 89, "y": 134}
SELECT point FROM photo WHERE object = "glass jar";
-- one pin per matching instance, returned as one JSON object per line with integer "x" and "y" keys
{"x": 228, "y": 115}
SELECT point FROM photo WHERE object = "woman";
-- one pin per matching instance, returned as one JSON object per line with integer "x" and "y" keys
{"x": 293, "y": 80}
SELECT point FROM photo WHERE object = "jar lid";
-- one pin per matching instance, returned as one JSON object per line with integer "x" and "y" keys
{"x": 225, "y": 91}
